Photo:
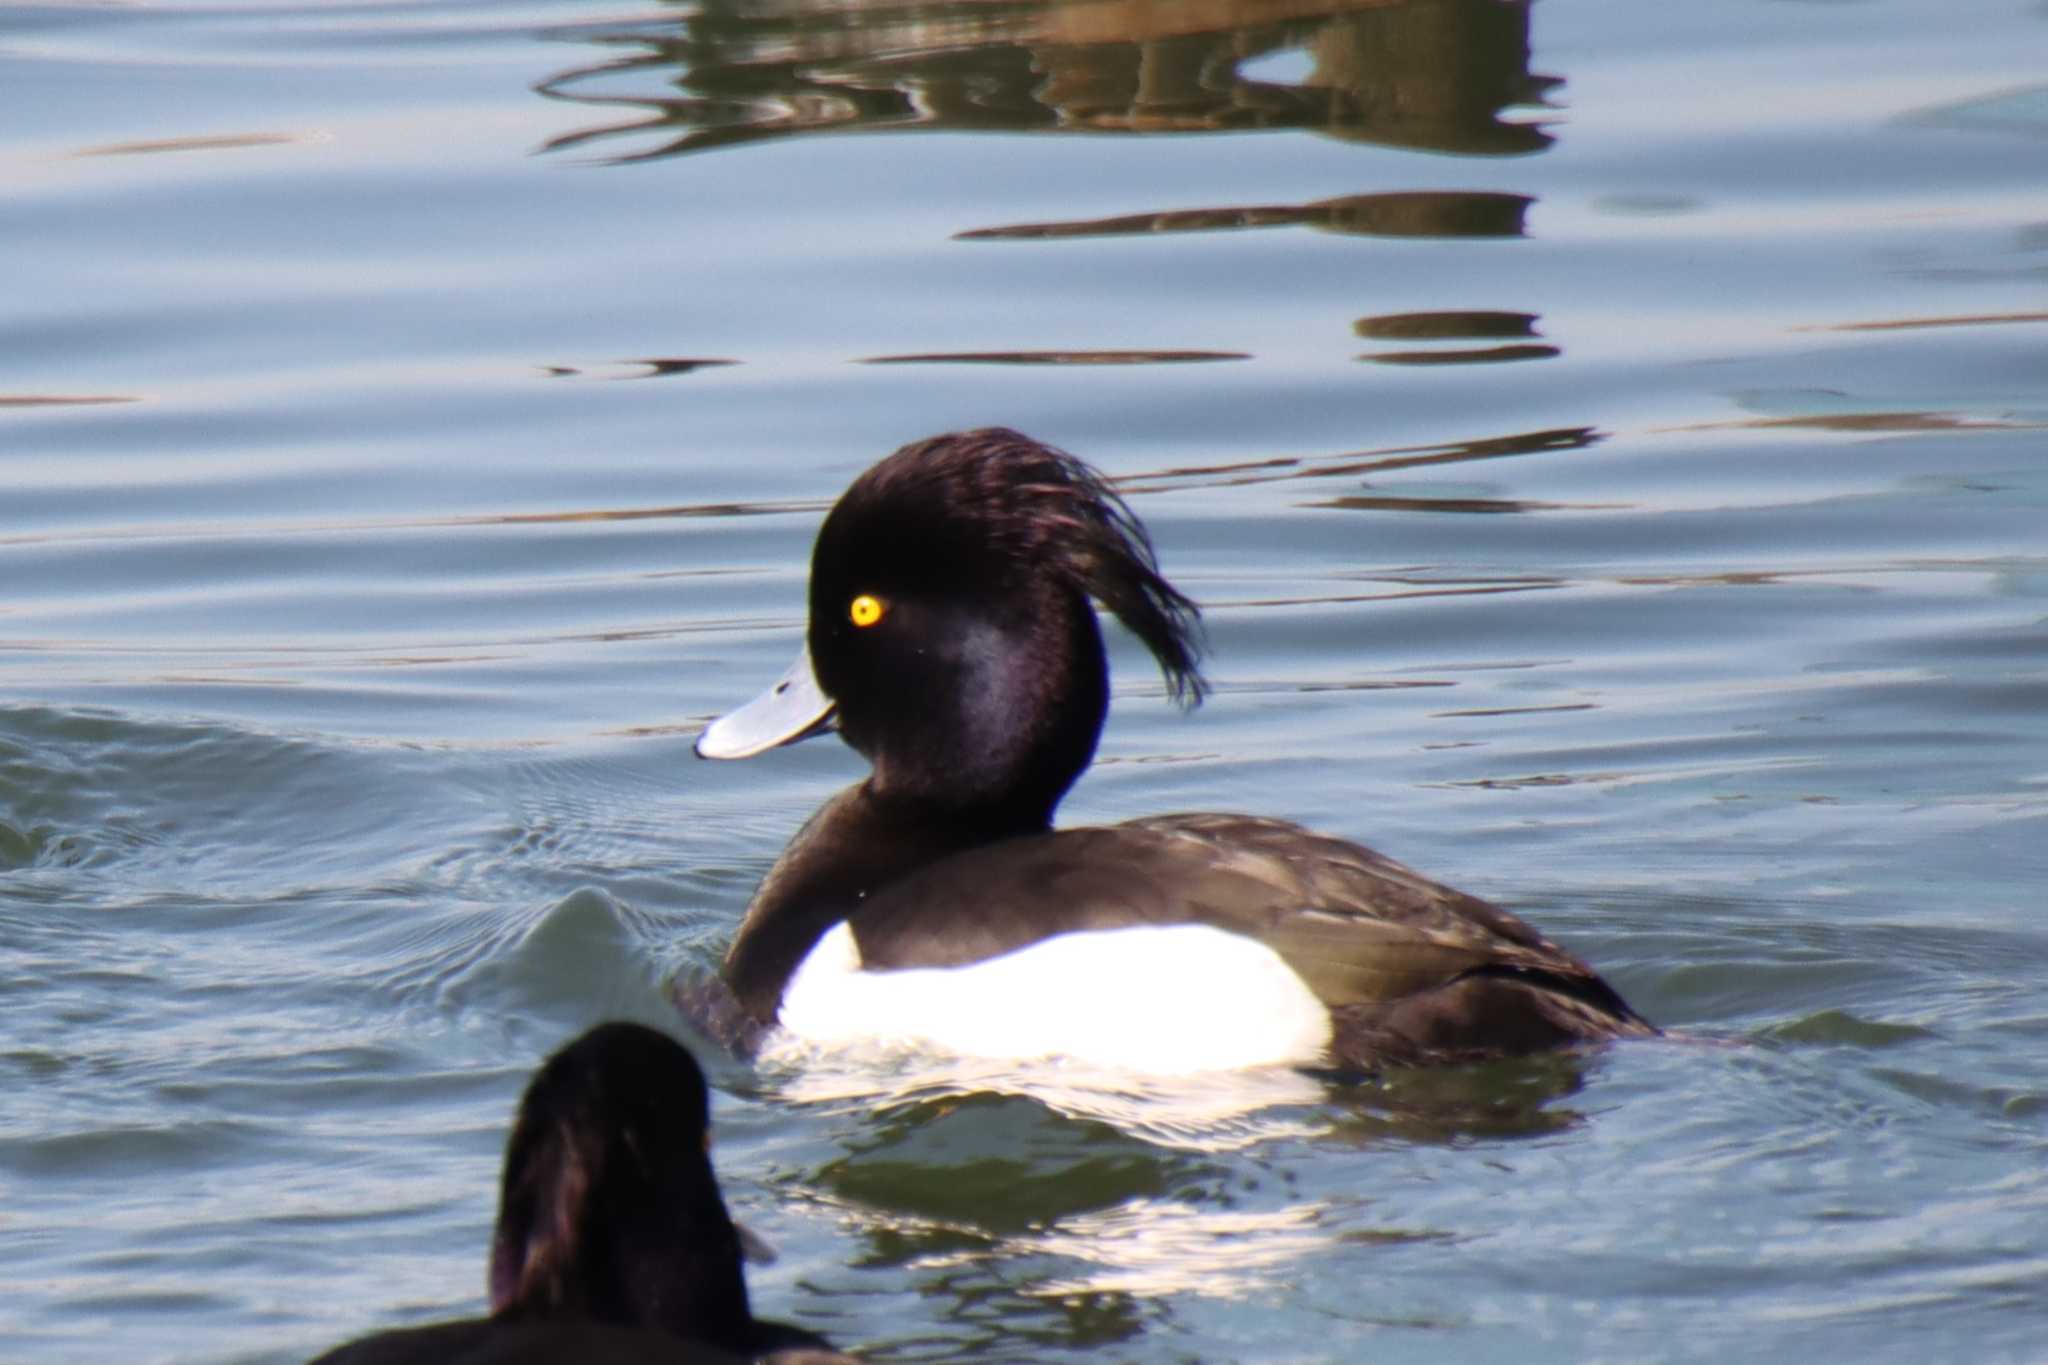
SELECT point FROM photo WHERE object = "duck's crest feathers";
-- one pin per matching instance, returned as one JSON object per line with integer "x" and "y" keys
{"x": 1040, "y": 510}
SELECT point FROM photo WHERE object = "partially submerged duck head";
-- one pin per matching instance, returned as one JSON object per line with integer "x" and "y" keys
{"x": 612, "y": 1241}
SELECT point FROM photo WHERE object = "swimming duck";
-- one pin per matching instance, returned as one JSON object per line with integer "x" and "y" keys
{"x": 613, "y": 1246}
{"x": 953, "y": 644}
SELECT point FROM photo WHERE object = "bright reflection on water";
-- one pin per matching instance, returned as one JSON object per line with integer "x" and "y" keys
{"x": 1220, "y": 1112}
{"x": 1607, "y": 442}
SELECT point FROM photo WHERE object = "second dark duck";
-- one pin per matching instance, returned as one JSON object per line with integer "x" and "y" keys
{"x": 953, "y": 644}
{"x": 613, "y": 1245}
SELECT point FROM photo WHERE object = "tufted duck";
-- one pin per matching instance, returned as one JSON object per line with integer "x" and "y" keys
{"x": 953, "y": 644}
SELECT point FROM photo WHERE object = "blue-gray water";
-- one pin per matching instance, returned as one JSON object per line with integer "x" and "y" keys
{"x": 1607, "y": 439}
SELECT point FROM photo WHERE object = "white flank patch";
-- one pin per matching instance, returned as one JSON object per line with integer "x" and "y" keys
{"x": 1164, "y": 1001}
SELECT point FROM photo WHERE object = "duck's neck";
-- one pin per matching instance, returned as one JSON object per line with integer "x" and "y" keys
{"x": 641, "y": 1249}
{"x": 677, "y": 1258}
{"x": 857, "y": 843}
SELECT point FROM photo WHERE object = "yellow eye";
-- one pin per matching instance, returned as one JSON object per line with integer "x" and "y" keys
{"x": 866, "y": 610}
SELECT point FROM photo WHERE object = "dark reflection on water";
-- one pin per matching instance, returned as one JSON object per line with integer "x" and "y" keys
{"x": 1056, "y": 358}
{"x": 51, "y": 400}
{"x": 216, "y": 143}
{"x": 1437, "y": 326}
{"x": 1484, "y": 355}
{"x": 1916, "y": 324}
{"x": 1517, "y": 1098}
{"x": 1460, "y": 325}
{"x": 1877, "y": 422}
{"x": 970, "y": 1195}
{"x": 1410, "y": 213}
{"x": 1050, "y": 1167}
{"x": 1362, "y": 461}
{"x": 1386, "y": 503}
{"x": 652, "y": 367}
{"x": 1435, "y": 74}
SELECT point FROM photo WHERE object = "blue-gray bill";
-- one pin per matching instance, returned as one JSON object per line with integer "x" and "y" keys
{"x": 794, "y": 708}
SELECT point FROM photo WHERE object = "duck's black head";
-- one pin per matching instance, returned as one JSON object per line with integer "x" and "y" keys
{"x": 609, "y": 1211}
{"x": 950, "y": 621}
